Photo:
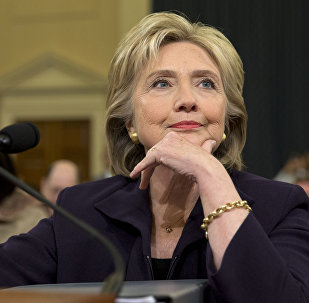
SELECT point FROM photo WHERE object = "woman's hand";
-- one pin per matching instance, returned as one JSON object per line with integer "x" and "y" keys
{"x": 176, "y": 153}
{"x": 193, "y": 161}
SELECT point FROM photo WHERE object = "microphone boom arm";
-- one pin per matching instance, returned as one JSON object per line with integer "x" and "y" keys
{"x": 113, "y": 282}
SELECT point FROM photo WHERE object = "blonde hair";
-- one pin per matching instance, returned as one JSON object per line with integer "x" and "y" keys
{"x": 140, "y": 46}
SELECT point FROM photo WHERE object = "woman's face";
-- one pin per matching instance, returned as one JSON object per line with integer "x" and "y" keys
{"x": 180, "y": 92}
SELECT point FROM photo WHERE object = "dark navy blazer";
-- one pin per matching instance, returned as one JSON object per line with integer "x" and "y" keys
{"x": 267, "y": 260}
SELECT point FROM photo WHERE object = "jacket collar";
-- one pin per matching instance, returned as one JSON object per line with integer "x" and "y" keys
{"x": 129, "y": 204}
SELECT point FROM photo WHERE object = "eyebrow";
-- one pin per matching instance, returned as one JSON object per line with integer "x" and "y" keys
{"x": 206, "y": 72}
{"x": 160, "y": 73}
{"x": 195, "y": 73}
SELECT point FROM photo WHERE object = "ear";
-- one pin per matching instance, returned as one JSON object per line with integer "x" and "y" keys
{"x": 130, "y": 128}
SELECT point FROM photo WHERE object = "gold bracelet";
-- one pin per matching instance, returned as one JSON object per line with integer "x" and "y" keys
{"x": 228, "y": 206}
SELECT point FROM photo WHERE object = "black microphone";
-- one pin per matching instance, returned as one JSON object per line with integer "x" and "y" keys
{"x": 19, "y": 137}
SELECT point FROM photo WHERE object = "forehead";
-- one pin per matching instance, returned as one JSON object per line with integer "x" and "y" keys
{"x": 62, "y": 172}
{"x": 183, "y": 53}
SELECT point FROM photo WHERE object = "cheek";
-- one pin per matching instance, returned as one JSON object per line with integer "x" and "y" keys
{"x": 216, "y": 113}
{"x": 148, "y": 113}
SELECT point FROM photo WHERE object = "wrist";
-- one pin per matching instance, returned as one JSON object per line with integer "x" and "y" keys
{"x": 230, "y": 206}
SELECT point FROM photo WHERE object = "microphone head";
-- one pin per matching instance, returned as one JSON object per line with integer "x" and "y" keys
{"x": 19, "y": 137}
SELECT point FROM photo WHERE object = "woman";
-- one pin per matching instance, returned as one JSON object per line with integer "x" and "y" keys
{"x": 176, "y": 125}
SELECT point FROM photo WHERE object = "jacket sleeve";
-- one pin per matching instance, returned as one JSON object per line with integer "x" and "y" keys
{"x": 29, "y": 258}
{"x": 267, "y": 266}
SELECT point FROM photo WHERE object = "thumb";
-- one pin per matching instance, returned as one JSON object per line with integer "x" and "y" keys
{"x": 209, "y": 145}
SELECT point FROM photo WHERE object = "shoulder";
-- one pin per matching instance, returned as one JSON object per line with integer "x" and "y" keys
{"x": 259, "y": 186}
{"x": 272, "y": 201}
{"x": 13, "y": 205}
{"x": 94, "y": 191}
{"x": 35, "y": 213}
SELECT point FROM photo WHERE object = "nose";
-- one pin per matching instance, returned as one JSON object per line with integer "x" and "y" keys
{"x": 185, "y": 100}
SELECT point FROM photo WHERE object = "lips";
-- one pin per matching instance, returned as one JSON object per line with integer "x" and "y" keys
{"x": 186, "y": 125}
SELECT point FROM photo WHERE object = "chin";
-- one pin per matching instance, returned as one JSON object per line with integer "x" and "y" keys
{"x": 194, "y": 138}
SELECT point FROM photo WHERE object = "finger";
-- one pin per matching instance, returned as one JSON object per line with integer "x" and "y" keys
{"x": 143, "y": 165}
{"x": 145, "y": 179}
{"x": 209, "y": 145}
{"x": 135, "y": 172}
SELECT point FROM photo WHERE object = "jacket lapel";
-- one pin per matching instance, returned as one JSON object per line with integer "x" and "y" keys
{"x": 129, "y": 204}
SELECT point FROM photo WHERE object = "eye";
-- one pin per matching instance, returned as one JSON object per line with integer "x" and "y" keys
{"x": 208, "y": 83}
{"x": 161, "y": 83}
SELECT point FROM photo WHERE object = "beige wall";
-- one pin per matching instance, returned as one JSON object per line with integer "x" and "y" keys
{"x": 79, "y": 37}
{"x": 86, "y": 31}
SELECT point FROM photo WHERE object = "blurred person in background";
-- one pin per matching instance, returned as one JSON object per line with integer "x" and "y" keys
{"x": 19, "y": 212}
{"x": 296, "y": 171}
{"x": 60, "y": 174}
